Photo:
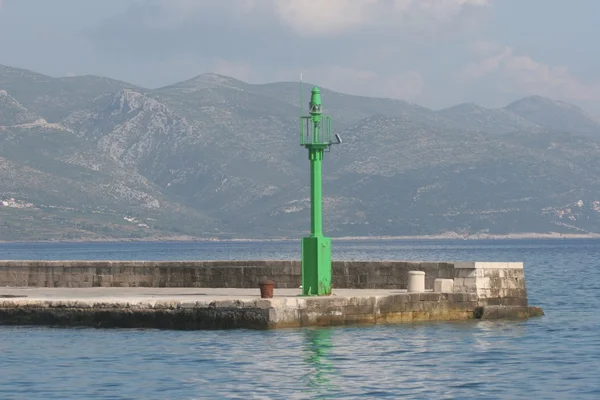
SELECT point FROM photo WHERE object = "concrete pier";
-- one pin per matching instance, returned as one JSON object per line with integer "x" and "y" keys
{"x": 209, "y": 308}
{"x": 177, "y": 295}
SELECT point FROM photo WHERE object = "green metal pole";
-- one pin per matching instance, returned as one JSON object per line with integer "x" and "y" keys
{"x": 316, "y": 200}
{"x": 316, "y": 249}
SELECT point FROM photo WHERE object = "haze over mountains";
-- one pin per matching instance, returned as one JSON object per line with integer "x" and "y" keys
{"x": 212, "y": 157}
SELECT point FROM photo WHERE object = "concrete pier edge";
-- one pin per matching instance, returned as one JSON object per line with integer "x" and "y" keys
{"x": 177, "y": 295}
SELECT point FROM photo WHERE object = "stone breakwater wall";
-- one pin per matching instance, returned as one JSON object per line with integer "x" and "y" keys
{"x": 494, "y": 283}
{"x": 216, "y": 274}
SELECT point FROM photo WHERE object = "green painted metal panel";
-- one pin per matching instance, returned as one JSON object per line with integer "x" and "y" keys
{"x": 316, "y": 266}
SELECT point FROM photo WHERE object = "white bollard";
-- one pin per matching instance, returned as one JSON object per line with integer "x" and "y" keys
{"x": 443, "y": 285}
{"x": 416, "y": 281}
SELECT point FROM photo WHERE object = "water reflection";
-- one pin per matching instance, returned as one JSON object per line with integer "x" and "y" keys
{"x": 551, "y": 357}
{"x": 317, "y": 350}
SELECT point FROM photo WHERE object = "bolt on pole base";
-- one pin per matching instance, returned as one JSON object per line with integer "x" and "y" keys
{"x": 316, "y": 266}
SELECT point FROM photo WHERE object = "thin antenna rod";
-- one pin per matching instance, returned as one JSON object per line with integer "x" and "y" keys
{"x": 301, "y": 114}
{"x": 301, "y": 104}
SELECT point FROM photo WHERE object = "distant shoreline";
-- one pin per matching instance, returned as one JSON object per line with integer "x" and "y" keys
{"x": 448, "y": 236}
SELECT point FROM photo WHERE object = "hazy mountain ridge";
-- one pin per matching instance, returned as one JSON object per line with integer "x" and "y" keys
{"x": 493, "y": 121}
{"x": 216, "y": 157}
{"x": 555, "y": 115}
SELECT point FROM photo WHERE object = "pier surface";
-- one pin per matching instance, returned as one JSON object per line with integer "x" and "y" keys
{"x": 228, "y": 308}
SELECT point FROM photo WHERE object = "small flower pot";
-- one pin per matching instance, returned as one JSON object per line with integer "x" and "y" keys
{"x": 266, "y": 289}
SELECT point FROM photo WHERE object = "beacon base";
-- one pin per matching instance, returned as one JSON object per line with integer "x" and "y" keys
{"x": 316, "y": 266}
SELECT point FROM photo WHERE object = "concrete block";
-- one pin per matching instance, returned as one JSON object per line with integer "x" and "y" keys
{"x": 438, "y": 310}
{"x": 484, "y": 283}
{"x": 443, "y": 286}
{"x": 430, "y": 296}
{"x": 415, "y": 307}
{"x": 420, "y": 316}
{"x": 464, "y": 265}
{"x": 465, "y": 273}
{"x": 458, "y": 297}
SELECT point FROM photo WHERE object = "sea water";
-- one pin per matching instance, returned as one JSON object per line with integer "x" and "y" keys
{"x": 553, "y": 357}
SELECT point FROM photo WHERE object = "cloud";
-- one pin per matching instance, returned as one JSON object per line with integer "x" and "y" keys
{"x": 166, "y": 14}
{"x": 332, "y": 17}
{"x": 316, "y": 17}
{"x": 261, "y": 39}
{"x": 521, "y": 74}
{"x": 302, "y": 17}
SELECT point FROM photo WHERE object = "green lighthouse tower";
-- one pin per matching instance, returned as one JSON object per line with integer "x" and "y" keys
{"x": 315, "y": 135}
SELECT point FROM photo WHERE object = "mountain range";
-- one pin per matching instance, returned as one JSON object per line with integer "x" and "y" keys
{"x": 91, "y": 158}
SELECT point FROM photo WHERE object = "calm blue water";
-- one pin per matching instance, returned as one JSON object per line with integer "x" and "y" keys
{"x": 554, "y": 357}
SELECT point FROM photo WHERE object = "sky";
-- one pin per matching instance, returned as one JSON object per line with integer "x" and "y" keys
{"x": 436, "y": 53}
